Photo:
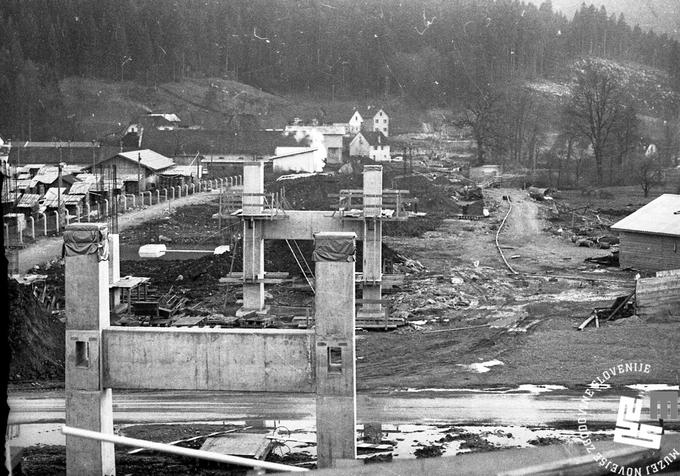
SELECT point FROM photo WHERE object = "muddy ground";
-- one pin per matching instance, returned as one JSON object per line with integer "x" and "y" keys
{"x": 464, "y": 306}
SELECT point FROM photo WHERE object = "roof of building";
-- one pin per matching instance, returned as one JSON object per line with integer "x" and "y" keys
{"x": 56, "y": 145}
{"x": 51, "y": 197}
{"x": 659, "y": 217}
{"x": 183, "y": 171}
{"x": 28, "y": 200}
{"x": 81, "y": 188}
{"x": 167, "y": 117}
{"x": 148, "y": 158}
{"x": 324, "y": 129}
{"x": 46, "y": 175}
{"x": 375, "y": 138}
{"x": 293, "y": 153}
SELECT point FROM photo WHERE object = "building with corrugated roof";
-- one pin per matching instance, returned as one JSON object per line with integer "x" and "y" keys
{"x": 650, "y": 237}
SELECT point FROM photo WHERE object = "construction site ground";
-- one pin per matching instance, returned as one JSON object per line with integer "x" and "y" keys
{"x": 472, "y": 322}
{"x": 464, "y": 306}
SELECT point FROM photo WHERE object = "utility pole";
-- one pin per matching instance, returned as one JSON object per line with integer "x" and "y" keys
{"x": 139, "y": 172}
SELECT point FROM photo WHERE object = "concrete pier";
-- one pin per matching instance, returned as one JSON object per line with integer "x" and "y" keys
{"x": 372, "y": 242}
{"x": 253, "y": 238}
{"x": 334, "y": 257}
{"x": 114, "y": 268}
{"x": 88, "y": 404}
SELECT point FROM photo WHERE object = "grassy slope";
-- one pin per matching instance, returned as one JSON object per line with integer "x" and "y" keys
{"x": 104, "y": 107}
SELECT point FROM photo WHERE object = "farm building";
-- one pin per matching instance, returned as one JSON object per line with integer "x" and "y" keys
{"x": 650, "y": 237}
{"x": 136, "y": 170}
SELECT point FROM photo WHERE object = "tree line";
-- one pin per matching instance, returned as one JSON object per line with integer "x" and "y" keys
{"x": 468, "y": 54}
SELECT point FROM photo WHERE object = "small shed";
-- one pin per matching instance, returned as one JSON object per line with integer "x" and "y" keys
{"x": 650, "y": 237}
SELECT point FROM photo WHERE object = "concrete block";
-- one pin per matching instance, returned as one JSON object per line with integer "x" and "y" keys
{"x": 89, "y": 410}
{"x": 87, "y": 292}
{"x": 82, "y": 360}
{"x": 263, "y": 360}
{"x": 337, "y": 417}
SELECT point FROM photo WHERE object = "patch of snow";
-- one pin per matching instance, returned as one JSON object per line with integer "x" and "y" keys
{"x": 482, "y": 367}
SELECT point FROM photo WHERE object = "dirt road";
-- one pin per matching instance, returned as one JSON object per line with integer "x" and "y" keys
{"x": 46, "y": 249}
{"x": 469, "y": 309}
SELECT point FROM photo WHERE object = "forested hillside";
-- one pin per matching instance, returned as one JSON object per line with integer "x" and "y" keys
{"x": 434, "y": 52}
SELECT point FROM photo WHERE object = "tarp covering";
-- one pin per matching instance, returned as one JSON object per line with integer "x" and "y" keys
{"x": 334, "y": 249}
{"x": 87, "y": 239}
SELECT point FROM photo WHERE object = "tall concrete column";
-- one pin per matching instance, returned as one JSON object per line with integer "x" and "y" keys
{"x": 372, "y": 244}
{"x": 88, "y": 404}
{"x": 334, "y": 301}
{"x": 253, "y": 240}
{"x": 114, "y": 268}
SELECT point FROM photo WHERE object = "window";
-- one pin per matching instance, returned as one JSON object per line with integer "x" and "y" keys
{"x": 82, "y": 354}
{"x": 335, "y": 359}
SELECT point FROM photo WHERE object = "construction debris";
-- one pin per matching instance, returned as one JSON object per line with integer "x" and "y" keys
{"x": 623, "y": 306}
{"x": 248, "y": 445}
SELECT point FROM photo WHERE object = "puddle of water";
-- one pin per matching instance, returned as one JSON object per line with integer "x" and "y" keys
{"x": 650, "y": 387}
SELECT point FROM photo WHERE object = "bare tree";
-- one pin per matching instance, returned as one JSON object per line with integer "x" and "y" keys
{"x": 595, "y": 107}
{"x": 648, "y": 170}
{"x": 482, "y": 115}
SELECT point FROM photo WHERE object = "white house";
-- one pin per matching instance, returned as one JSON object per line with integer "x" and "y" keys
{"x": 355, "y": 123}
{"x": 381, "y": 122}
{"x": 370, "y": 144}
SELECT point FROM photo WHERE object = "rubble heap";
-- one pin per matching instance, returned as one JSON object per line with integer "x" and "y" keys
{"x": 35, "y": 337}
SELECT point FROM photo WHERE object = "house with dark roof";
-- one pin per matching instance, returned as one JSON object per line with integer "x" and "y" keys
{"x": 650, "y": 237}
{"x": 373, "y": 145}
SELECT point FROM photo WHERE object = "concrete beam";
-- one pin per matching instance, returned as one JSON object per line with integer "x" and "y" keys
{"x": 263, "y": 360}
{"x": 303, "y": 224}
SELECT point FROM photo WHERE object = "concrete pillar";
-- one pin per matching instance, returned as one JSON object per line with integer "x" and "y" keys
{"x": 44, "y": 223}
{"x": 79, "y": 212}
{"x": 56, "y": 220}
{"x": 158, "y": 195}
{"x": 372, "y": 243}
{"x": 253, "y": 240}
{"x": 21, "y": 233}
{"x": 124, "y": 198}
{"x": 106, "y": 207}
{"x": 134, "y": 200}
{"x": 88, "y": 404}
{"x": 32, "y": 220}
{"x": 114, "y": 268}
{"x": 334, "y": 255}
{"x": 88, "y": 210}
{"x": 165, "y": 193}
{"x": 193, "y": 188}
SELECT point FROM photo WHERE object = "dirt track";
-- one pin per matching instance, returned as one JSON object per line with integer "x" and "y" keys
{"x": 48, "y": 248}
{"x": 468, "y": 285}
